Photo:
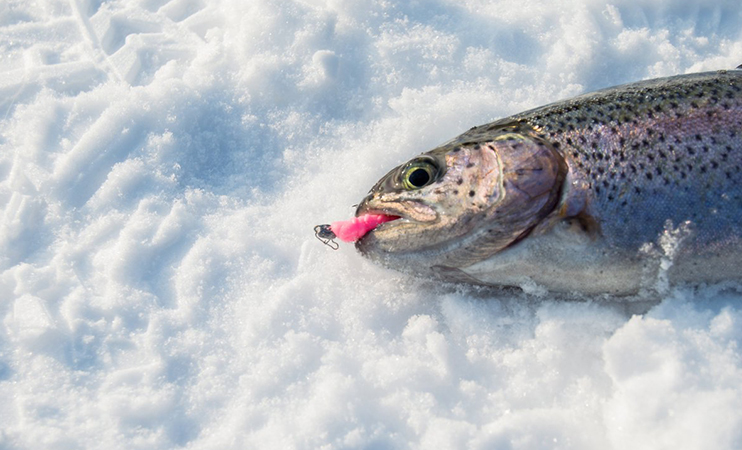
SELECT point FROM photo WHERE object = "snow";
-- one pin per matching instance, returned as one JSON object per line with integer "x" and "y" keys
{"x": 163, "y": 164}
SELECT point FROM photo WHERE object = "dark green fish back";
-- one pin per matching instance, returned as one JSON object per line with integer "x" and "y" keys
{"x": 651, "y": 151}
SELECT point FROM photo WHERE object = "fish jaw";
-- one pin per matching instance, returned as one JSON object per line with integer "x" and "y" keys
{"x": 491, "y": 195}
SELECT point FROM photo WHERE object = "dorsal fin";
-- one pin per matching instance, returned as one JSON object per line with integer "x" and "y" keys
{"x": 739, "y": 67}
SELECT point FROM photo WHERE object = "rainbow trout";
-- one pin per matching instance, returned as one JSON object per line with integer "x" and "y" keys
{"x": 626, "y": 190}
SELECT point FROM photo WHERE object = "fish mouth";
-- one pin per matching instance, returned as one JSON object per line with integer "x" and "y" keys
{"x": 405, "y": 214}
{"x": 362, "y": 244}
{"x": 392, "y": 217}
{"x": 404, "y": 211}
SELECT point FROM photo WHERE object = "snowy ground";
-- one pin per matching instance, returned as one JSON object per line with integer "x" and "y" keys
{"x": 163, "y": 162}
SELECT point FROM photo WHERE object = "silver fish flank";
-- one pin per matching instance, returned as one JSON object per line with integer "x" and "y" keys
{"x": 622, "y": 191}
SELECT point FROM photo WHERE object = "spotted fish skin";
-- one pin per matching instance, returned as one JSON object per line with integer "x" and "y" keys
{"x": 665, "y": 149}
{"x": 644, "y": 190}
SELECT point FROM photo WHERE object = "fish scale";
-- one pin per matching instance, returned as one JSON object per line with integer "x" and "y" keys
{"x": 636, "y": 173}
{"x": 637, "y": 145}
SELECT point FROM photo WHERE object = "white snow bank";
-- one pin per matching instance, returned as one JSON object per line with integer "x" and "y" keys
{"x": 162, "y": 164}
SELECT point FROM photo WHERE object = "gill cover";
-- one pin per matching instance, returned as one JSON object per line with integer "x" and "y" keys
{"x": 532, "y": 173}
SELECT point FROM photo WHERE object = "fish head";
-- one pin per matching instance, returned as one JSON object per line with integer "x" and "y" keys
{"x": 462, "y": 202}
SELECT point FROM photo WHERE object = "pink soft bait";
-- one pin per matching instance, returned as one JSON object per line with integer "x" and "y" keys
{"x": 355, "y": 228}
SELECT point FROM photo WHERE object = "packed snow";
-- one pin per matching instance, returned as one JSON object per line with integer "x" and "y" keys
{"x": 163, "y": 164}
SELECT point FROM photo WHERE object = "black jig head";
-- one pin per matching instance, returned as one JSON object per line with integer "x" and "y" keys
{"x": 325, "y": 234}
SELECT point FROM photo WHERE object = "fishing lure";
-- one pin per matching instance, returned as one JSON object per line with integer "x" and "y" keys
{"x": 326, "y": 236}
{"x": 349, "y": 230}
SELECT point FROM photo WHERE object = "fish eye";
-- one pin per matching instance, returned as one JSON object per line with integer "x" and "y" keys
{"x": 418, "y": 175}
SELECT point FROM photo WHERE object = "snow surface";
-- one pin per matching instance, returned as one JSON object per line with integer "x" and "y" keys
{"x": 163, "y": 164}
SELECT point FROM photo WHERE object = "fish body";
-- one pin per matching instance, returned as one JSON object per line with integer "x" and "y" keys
{"x": 625, "y": 190}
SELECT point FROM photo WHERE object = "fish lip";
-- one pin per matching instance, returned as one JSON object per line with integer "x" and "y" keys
{"x": 408, "y": 210}
{"x": 379, "y": 211}
{"x": 364, "y": 209}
